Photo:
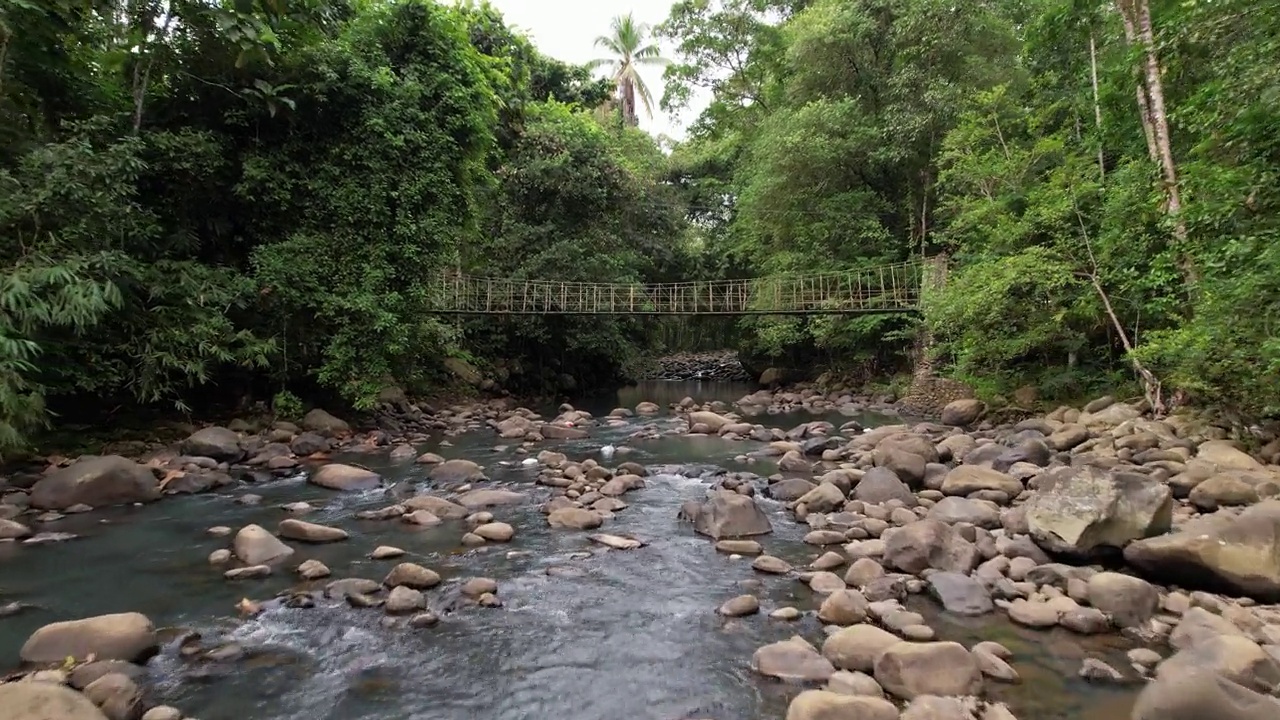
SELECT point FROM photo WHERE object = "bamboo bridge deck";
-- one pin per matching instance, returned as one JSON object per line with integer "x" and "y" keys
{"x": 883, "y": 289}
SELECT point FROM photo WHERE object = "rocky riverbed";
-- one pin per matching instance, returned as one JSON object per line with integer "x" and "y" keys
{"x": 792, "y": 554}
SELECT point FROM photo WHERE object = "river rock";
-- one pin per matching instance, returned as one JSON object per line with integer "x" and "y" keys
{"x": 740, "y": 606}
{"x": 322, "y": 422}
{"x": 771, "y": 564}
{"x": 1199, "y": 695}
{"x": 962, "y": 412}
{"x": 1224, "y": 455}
{"x": 826, "y": 705}
{"x": 794, "y": 659}
{"x": 881, "y": 485}
{"x": 1129, "y": 601}
{"x": 248, "y": 572}
{"x": 960, "y": 594}
{"x": 13, "y": 530}
{"x": 952, "y": 510}
{"x": 713, "y": 421}
{"x": 336, "y": 476}
{"x": 121, "y": 636}
{"x": 116, "y": 695}
{"x": 1236, "y": 658}
{"x": 253, "y": 545}
{"x": 294, "y": 529}
{"x": 857, "y": 647}
{"x": 1082, "y": 511}
{"x": 929, "y": 544}
{"x": 386, "y": 552}
{"x": 495, "y": 532}
{"x": 843, "y": 607}
{"x": 908, "y": 669}
{"x": 575, "y": 518}
{"x": 309, "y": 443}
{"x": 727, "y": 514}
{"x": 554, "y": 431}
{"x": 966, "y": 479}
{"x": 620, "y": 484}
{"x": 313, "y": 570}
{"x": 45, "y": 701}
{"x": 412, "y": 575}
{"x": 403, "y": 600}
{"x": 1237, "y": 552}
{"x": 457, "y": 471}
{"x": 97, "y": 481}
{"x": 218, "y": 443}
{"x": 478, "y": 586}
{"x": 438, "y": 506}
{"x": 162, "y": 712}
{"x": 478, "y": 499}
{"x": 739, "y": 547}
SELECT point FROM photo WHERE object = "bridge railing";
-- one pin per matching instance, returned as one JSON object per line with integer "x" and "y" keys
{"x": 890, "y": 288}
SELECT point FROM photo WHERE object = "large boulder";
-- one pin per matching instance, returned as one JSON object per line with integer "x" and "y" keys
{"x": 1238, "y": 553}
{"x": 1199, "y": 695}
{"x": 962, "y": 412}
{"x": 96, "y": 481}
{"x": 926, "y": 544}
{"x": 727, "y": 514}
{"x": 336, "y": 476}
{"x": 880, "y": 485}
{"x": 121, "y": 636}
{"x": 253, "y": 545}
{"x": 320, "y": 421}
{"x": 1086, "y": 511}
{"x": 457, "y": 471}
{"x": 45, "y": 701}
{"x": 908, "y": 669}
{"x": 218, "y": 443}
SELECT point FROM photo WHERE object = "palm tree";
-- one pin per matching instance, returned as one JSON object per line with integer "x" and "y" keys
{"x": 627, "y": 43}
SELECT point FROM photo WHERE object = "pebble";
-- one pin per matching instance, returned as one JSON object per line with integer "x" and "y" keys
{"x": 386, "y": 552}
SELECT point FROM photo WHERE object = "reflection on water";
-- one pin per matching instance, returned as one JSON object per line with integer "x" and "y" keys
{"x": 624, "y": 634}
{"x": 666, "y": 392}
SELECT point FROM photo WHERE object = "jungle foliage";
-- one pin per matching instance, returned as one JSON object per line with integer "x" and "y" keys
{"x": 202, "y": 201}
{"x": 1101, "y": 174}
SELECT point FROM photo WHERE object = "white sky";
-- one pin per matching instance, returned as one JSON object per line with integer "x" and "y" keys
{"x": 567, "y": 29}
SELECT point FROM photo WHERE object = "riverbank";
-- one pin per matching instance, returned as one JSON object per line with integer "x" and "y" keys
{"x": 897, "y": 552}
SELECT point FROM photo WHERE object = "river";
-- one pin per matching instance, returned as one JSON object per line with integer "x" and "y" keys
{"x": 621, "y": 634}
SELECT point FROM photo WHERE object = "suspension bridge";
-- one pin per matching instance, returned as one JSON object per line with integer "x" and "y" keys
{"x": 892, "y": 288}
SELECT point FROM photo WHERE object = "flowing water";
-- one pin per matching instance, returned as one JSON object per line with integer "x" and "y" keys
{"x": 609, "y": 634}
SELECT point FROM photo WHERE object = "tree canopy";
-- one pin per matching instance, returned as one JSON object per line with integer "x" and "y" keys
{"x": 202, "y": 201}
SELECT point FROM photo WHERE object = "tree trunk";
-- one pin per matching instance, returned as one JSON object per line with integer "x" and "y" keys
{"x": 1139, "y": 24}
{"x": 1144, "y": 107}
{"x": 627, "y": 91}
{"x": 1097, "y": 105}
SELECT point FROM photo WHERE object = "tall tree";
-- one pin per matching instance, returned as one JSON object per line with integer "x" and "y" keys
{"x": 628, "y": 42}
